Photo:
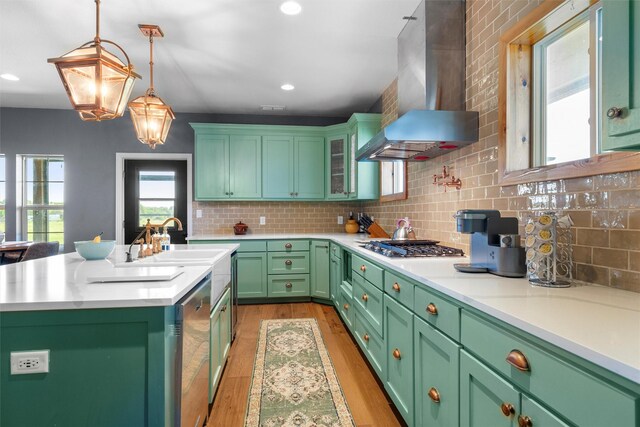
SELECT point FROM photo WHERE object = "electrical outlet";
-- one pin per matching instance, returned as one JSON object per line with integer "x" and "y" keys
{"x": 263, "y": 220}
{"x": 198, "y": 213}
{"x": 29, "y": 362}
{"x": 340, "y": 220}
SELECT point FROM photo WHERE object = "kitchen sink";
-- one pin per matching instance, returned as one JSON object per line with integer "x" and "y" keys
{"x": 178, "y": 258}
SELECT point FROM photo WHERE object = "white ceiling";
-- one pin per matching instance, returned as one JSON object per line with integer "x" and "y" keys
{"x": 222, "y": 56}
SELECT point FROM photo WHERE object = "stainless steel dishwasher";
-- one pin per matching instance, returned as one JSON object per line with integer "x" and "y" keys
{"x": 192, "y": 361}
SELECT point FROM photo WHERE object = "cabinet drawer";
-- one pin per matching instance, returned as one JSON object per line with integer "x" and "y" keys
{"x": 399, "y": 288}
{"x": 288, "y": 285}
{"x": 288, "y": 245}
{"x": 369, "y": 271}
{"x": 335, "y": 250}
{"x": 285, "y": 263}
{"x": 437, "y": 311}
{"x": 370, "y": 342}
{"x": 346, "y": 307}
{"x": 368, "y": 299}
{"x": 580, "y": 397}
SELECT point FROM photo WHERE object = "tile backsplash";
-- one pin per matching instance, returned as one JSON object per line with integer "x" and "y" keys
{"x": 605, "y": 208}
{"x": 281, "y": 217}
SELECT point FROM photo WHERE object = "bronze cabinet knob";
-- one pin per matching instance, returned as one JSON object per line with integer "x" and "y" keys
{"x": 366, "y": 337}
{"x": 365, "y": 297}
{"x": 288, "y": 285}
{"x": 432, "y": 309}
{"x": 223, "y": 308}
{"x": 346, "y": 306}
{"x": 614, "y": 112}
{"x": 288, "y": 262}
{"x": 396, "y": 354}
{"x": 434, "y": 395}
{"x": 396, "y": 287}
{"x": 507, "y": 409}
{"x": 363, "y": 268}
{"x": 518, "y": 360}
{"x": 525, "y": 421}
{"x": 288, "y": 245}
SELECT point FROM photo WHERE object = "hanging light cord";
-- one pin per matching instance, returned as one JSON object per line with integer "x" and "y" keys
{"x": 97, "y": 38}
{"x": 151, "y": 62}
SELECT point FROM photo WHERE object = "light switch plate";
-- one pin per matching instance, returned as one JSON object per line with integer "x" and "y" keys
{"x": 29, "y": 362}
{"x": 198, "y": 213}
{"x": 263, "y": 220}
{"x": 340, "y": 220}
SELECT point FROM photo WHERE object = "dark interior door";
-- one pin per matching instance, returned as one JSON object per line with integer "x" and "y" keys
{"x": 156, "y": 190}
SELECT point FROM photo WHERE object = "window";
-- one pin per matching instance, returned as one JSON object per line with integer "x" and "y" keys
{"x": 157, "y": 196}
{"x": 393, "y": 178}
{"x": 3, "y": 195}
{"x": 549, "y": 97}
{"x": 43, "y": 198}
{"x": 566, "y": 71}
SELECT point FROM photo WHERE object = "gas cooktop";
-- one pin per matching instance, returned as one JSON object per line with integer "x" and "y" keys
{"x": 412, "y": 248}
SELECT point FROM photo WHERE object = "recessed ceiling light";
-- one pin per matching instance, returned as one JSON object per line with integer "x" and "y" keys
{"x": 10, "y": 77}
{"x": 287, "y": 86}
{"x": 290, "y": 8}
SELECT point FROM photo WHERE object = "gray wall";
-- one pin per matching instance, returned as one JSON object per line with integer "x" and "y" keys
{"x": 89, "y": 152}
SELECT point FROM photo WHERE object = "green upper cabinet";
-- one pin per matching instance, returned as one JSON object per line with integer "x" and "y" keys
{"x": 338, "y": 166}
{"x": 621, "y": 75}
{"x": 363, "y": 127}
{"x": 228, "y": 167}
{"x": 293, "y": 167}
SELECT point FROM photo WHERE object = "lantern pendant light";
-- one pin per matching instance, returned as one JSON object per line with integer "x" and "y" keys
{"x": 150, "y": 114}
{"x": 97, "y": 82}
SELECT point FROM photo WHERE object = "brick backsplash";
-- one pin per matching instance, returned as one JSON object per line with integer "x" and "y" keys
{"x": 281, "y": 217}
{"x": 605, "y": 208}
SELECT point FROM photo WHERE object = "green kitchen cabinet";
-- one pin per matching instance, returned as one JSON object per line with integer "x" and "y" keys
{"x": 485, "y": 398}
{"x": 370, "y": 342}
{"x": 533, "y": 414}
{"x": 364, "y": 179}
{"x": 346, "y": 309}
{"x": 398, "y": 335}
{"x": 293, "y": 167}
{"x": 220, "y": 341}
{"x": 320, "y": 270}
{"x": 338, "y": 167}
{"x": 621, "y": 75}
{"x": 436, "y": 377}
{"x": 252, "y": 275}
{"x": 228, "y": 167}
{"x": 335, "y": 278}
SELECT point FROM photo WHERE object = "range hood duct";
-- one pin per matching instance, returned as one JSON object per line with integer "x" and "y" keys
{"x": 431, "y": 88}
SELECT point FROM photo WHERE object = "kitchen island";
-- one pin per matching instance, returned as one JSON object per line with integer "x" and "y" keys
{"x": 112, "y": 346}
{"x": 580, "y": 362}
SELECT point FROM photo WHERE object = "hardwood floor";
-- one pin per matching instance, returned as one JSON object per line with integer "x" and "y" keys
{"x": 368, "y": 403}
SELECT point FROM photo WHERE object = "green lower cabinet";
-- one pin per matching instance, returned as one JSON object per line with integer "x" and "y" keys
{"x": 437, "y": 360}
{"x": 220, "y": 341}
{"x": 288, "y": 262}
{"x": 398, "y": 334}
{"x": 370, "y": 342}
{"x": 252, "y": 275}
{"x": 485, "y": 398}
{"x": 346, "y": 305}
{"x": 335, "y": 272}
{"x": 320, "y": 270}
{"x": 532, "y": 414}
{"x": 288, "y": 285}
{"x": 368, "y": 299}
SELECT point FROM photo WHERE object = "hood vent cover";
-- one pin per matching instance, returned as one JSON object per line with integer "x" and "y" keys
{"x": 431, "y": 88}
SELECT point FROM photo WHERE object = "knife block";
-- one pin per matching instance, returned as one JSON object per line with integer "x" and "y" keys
{"x": 375, "y": 231}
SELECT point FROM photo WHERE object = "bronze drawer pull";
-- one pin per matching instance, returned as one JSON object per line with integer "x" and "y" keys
{"x": 396, "y": 287}
{"x": 366, "y": 337}
{"x": 525, "y": 421}
{"x": 365, "y": 297}
{"x": 288, "y": 246}
{"x": 434, "y": 395}
{"x": 346, "y": 306}
{"x": 288, "y": 285}
{"x": 288, "y": 262}
{"x": 507, "y": 409}
{"x": 363, "y": 268}
{"x": 516, "y": 359}
{"x": 396, "y": 354}
{"x": 432, "y": 309}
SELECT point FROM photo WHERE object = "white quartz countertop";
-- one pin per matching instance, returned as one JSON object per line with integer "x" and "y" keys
{"x": 598, "y": 323}
{"x": 60, "y": 283}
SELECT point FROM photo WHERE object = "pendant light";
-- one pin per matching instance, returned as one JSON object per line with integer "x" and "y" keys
{"x": 151, "y": 116}
{"x": 97, "y": 82}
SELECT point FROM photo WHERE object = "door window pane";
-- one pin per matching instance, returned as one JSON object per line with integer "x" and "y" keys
{"x": 157, "y": 185}
{"x": 155, "y": 210}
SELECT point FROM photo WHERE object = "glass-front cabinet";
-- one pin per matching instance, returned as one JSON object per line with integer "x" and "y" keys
{"x": 338, "y": 167}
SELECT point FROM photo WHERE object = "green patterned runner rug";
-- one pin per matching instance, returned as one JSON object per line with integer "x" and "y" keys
{"x": 294, "y": 383}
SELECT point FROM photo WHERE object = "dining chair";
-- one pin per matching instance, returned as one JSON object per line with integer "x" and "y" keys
{"x": 41, "y": 250}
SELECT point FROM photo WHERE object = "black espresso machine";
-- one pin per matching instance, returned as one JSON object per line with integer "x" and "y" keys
{"x": 495, "y": 244}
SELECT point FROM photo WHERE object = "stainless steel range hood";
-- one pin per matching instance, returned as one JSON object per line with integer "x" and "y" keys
{"x": 431, "y": 88}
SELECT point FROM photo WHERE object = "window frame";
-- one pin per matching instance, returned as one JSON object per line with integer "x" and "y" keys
{"x": 403, "y": 195}
{"x": 24, "y": 207}
{"x": 155, "y": 199}
{"x": 515, "y": 122}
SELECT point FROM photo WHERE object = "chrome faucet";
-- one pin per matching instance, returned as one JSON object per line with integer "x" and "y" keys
{"x": 147, "y": 232}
